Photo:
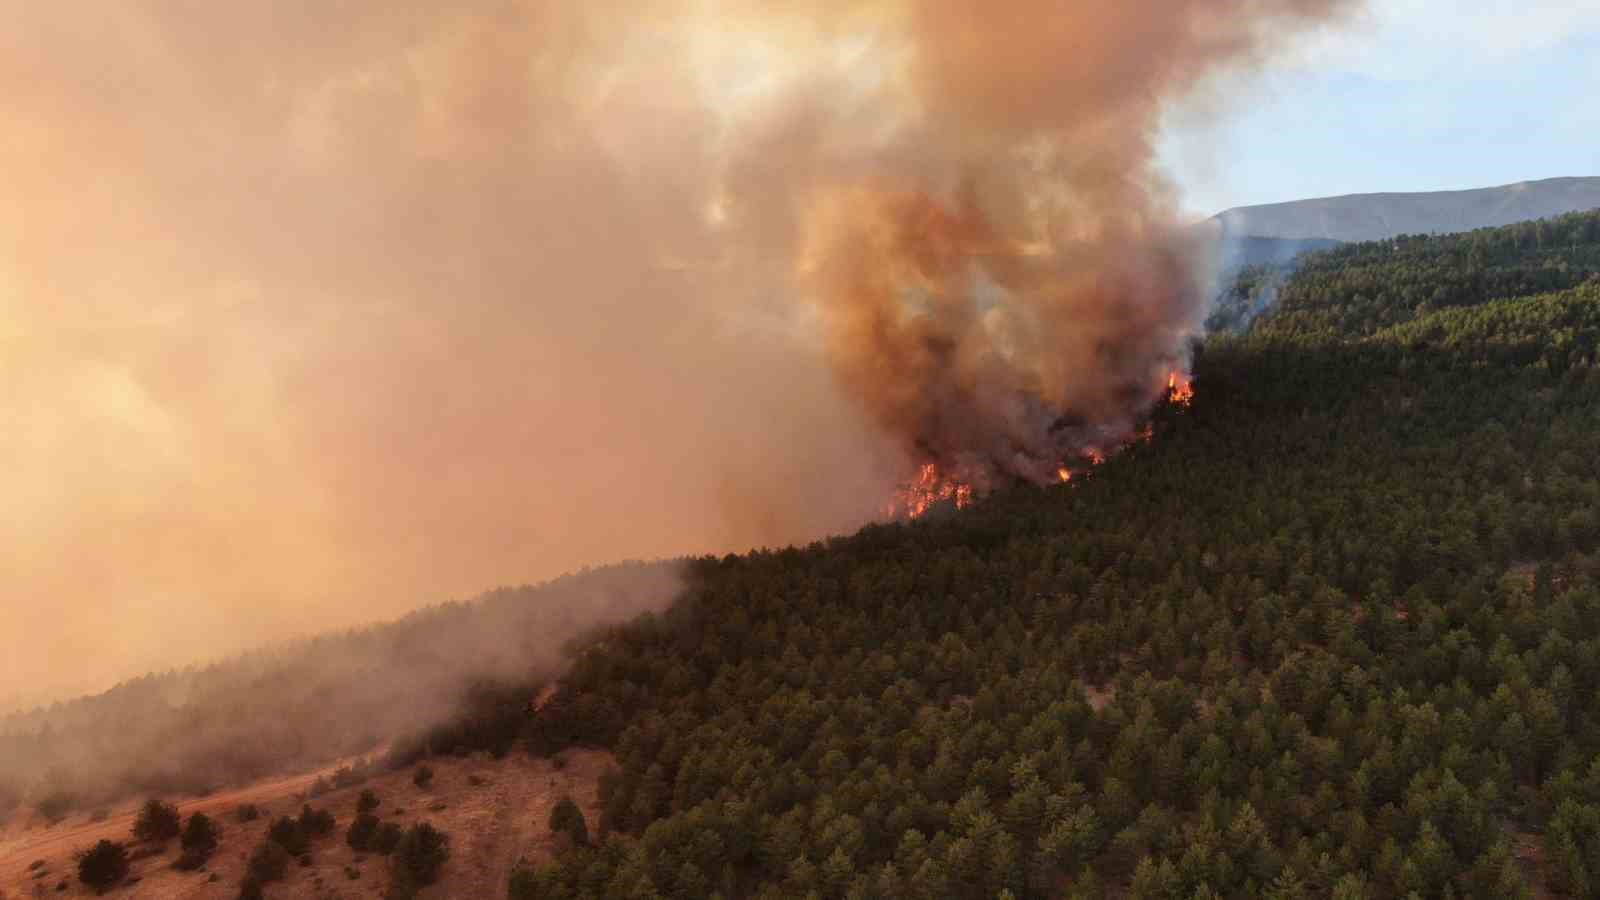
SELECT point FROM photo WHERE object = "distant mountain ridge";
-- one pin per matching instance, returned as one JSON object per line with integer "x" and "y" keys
{"x": 1371, "y": 217}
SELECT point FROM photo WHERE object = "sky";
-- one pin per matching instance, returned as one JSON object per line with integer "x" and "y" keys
{"x": 1412, "y": 95}
{"x": 314, "y": 313}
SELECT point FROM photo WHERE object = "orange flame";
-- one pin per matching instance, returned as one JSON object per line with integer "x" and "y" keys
{"x": 930, "y": 488}
{"x": 1179, "y": 388}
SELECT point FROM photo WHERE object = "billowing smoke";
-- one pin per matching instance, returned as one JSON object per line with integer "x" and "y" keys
{"x": 315, "y": 311}
{"x": 1007, "y": 284}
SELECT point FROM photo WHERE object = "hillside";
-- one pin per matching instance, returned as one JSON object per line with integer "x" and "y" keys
{"x": 1328, "y": 633}
{"x": 1331, "y": 631}
{"x": 304, "y": 704}
{"x": 1371, "y": 217}
{"x": 493, "y": 810}
{"x": 1238, "y": 251}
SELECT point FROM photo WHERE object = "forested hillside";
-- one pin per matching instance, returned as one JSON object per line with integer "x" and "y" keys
{"x": 1333, "y": 631}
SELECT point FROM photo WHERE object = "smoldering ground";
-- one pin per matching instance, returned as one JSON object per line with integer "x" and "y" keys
{"x": 313, "y": 312}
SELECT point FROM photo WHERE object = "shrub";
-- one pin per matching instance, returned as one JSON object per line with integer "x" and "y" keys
{"x": 250, "y": 889}
{"x": 387, "y": 838}
{"x": 568, "y": 819}
{"x": 103, "y": 866}
{"x": 362, "y": 832}
{"x": 424, "y": 776}
{"x": 247, "y": 812}
{"x": 422, "y": 853}
{"x": 367, "y": 802}
{"x": 269, "y": 863}
{"x": 288, "y": 834}
{"x": 316, "y": 822}
{"x": 157, "y": 822}
{"x": 200, "y": 839}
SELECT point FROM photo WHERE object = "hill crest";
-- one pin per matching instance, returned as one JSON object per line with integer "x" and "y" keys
{"x": 1367, "y": 217}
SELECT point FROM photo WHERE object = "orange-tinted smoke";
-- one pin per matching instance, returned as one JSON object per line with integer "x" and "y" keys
{"x": 312, "y": 312}
{"x": 1013, "y": 283}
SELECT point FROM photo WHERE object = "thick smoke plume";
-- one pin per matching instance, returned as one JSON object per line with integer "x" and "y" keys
{"x": 315, "y": 311}
{"x": 1009, "y": 286}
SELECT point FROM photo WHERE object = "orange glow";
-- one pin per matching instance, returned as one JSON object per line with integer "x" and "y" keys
{"x": 930, "y": 488}
{"x": 1179, "y": 388}
{"x": 914, "y": 498}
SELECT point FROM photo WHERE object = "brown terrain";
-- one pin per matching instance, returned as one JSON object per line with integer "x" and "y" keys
{"x": 495, "y": 811}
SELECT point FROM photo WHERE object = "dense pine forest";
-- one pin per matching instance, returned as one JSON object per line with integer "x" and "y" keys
{"x": 1334, "y": 631}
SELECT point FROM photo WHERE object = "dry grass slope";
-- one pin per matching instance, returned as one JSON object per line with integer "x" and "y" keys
{"x": 496, "y": 812}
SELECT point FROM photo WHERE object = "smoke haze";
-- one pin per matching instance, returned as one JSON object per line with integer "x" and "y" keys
{"x": 313, "y": 312}
{"x": 302, "y": 704}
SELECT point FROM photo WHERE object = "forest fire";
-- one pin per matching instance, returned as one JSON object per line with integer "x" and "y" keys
{"x": 1179, "y": 388}
{"x": 933, "y": 486}
{"x": 930, "y": 488}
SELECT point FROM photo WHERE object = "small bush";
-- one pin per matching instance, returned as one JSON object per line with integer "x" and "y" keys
{"x": 269, "y": 863}
{"x": 199, "y": 841}
{"x": 422, "y": 853}
{"x": 247, "y": 812}
{"x": 250, "y": 889}
{"x": 316, "y": 822}
{"x": 157, "y": 822}
{"x": 288, "y": 834}
{"x": 103, "y": 866}
{"x": 566, "y": 818}
{"x": 362, "y": 832}
{"x": 424, "y": 777}
{"x": 367, "y": 802}
{"x": 387, "y": 838}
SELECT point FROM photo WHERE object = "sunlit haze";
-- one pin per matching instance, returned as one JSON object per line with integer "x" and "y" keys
{"x": 311, "y": 314}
